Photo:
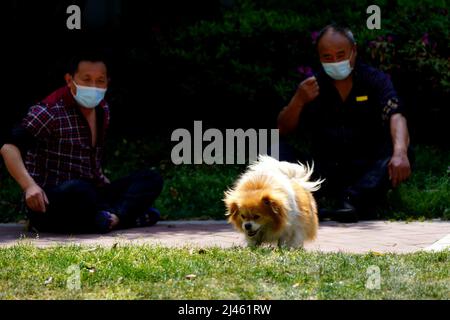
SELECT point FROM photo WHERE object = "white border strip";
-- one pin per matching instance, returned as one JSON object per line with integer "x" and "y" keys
{"x": 440, "y": 245}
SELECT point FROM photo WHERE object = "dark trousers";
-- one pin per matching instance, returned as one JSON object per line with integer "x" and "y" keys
{"x": 364, "y": 181}
{"x": 74, "y": 205}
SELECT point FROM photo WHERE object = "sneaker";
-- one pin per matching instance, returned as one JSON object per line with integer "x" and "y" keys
{"x": 103, "y": 220}
{"x": 346, "y": 213}
{"x": 325, "y": 214}
{"x": 148, "y": 218}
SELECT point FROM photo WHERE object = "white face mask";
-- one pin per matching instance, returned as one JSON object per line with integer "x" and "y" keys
{"x": 338, "y": 70}
{"x": 89, "y": 97}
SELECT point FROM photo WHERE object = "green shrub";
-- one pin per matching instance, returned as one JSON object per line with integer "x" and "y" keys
{"x": 258, "y": 48}
{"x": 10, "y": 199}
{"x": 265, "y": 48}
{"x": 196, "y": 191}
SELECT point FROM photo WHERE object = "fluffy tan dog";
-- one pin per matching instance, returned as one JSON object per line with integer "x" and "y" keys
{"x": 273, "y": 202}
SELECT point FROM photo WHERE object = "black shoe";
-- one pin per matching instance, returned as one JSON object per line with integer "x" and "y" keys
{"x": 103, "y": 220}
{"x": 325, "y": 214}
{"x": 148, "y": 218}
{"x": 346, "y": 213}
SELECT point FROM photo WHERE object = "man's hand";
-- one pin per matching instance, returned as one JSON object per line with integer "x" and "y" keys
{"x": 35, "y": 198}
{"x": 114, "y": 222}
{"x": 399, "y": 168}
{"x": 308, "y": 90}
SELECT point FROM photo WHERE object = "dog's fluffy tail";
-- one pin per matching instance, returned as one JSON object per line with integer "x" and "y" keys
{"x": 302, "y": 174}
{"x": 298, "y": 172}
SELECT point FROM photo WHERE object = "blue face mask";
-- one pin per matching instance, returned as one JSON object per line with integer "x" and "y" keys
{"x": 338, "y": 70}
{"x": 89, "y": 97}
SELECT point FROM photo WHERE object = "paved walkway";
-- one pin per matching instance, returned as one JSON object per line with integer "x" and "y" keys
{"x": 365, "y": 236}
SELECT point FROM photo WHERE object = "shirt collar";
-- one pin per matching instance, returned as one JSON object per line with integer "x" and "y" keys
{"x": 68, "y": 98}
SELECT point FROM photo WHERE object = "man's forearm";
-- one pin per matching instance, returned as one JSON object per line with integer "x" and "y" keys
{"x": 14, "y": 163}
{"x": 289, "y": 116}
{"x": 399, "y": 133}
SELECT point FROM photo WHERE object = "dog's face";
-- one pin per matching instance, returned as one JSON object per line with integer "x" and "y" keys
{"x": 256, "y": 212}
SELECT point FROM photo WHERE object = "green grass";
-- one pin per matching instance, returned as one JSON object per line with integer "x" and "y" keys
{"x": 426, "y": 195}
{"x": 196, "y": 191}
{"x": 148, "y": 272}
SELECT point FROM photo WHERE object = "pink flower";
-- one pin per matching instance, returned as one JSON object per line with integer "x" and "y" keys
{"x": 305, "y": 71}
{"x": 314, "y": 35}
{"x": 425, "y": 39}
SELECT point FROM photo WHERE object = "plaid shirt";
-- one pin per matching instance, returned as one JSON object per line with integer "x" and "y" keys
{"x": 63, "y": 149}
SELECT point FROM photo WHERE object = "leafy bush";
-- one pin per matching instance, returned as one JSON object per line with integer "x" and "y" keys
{"x": 263, "y": 49}
{"x": 255, "y": 54}
{"x": 10, "y": 198}
{"x": 196, "y": 191}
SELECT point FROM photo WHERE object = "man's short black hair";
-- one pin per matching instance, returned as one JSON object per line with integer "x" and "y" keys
{"x": 94, "y": 55}
{"x": 345, "y": 31}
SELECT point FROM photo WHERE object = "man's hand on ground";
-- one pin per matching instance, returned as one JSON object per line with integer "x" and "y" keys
{"x": 399, "y": 168}
{"x": 36, "y": 199}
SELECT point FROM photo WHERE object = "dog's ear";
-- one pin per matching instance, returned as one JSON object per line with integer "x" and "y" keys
{"x": 230, "y": 203}
{"x": 269, "y": 202}
{"x": 275, "y": 205}
{"x": 232, "y": 207}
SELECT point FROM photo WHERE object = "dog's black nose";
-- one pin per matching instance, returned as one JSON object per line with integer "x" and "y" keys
{"x": 248, "y": 226}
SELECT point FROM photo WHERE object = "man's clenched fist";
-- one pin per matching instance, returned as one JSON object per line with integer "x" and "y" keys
{"x": 35, "y": 198}
{"x": 308, "y": 90}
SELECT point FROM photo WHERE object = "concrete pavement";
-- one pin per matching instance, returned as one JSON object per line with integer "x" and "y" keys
{"x": 365, "y": 236}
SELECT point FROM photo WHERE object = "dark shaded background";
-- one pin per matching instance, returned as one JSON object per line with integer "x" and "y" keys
{"x": 37, "y": 45}
{"x": 231, "y": 64}
{"x": 146, "y": 94}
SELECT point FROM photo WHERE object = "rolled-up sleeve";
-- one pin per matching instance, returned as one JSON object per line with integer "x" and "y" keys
{"x": 388, "y": 98}
{"x": 39, "y": 122}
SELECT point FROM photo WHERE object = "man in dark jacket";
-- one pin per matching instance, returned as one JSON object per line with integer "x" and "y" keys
{"x": 360, "y": 137}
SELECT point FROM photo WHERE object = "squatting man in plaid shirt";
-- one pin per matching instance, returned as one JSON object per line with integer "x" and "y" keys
{"x": 62, "y": 140}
